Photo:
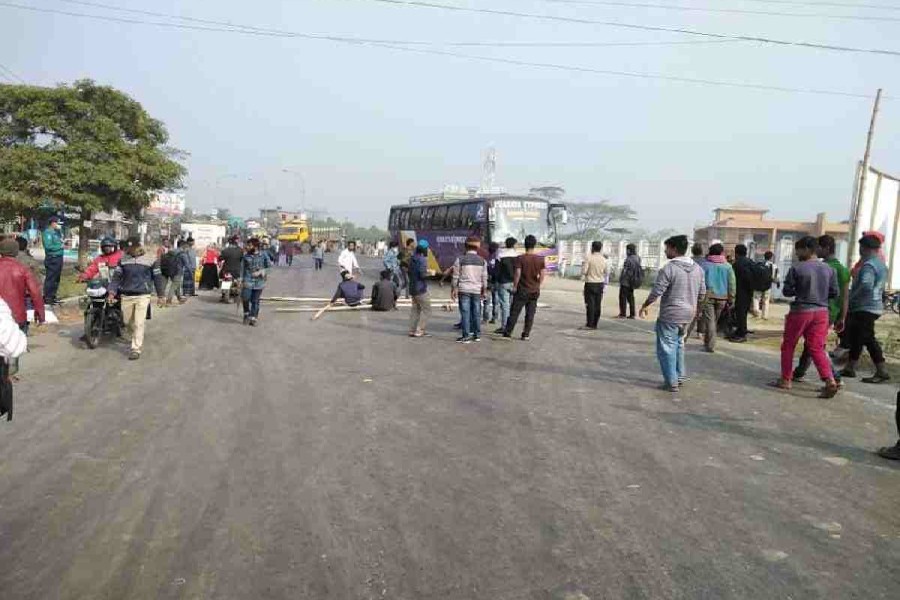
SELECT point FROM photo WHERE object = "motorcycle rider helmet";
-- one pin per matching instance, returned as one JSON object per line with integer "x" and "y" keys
{"x": 108, "y": 242}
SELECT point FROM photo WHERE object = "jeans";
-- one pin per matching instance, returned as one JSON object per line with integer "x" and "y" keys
{"x": 290, "y": 259}
{"x": 250, "y": 298}
{"x": 134, "y": 312}
{"x": 318, "y": 263}
{"x": 626, "y": 296}
{"x": 419, "y": 313}
{"x": 488, "y": 305}
{"x": 504, "y": 299}
{"x": 861, "y": 332}
{"x": 528, "y": 301}
{"x": 470, "y": 311}
{"x": 53, "y": 265}
{"x": 813, "y": 326}
{"x": 760, "y": 306}
{"x": 711, "y": 312}
{"x": 670, "y": 351}
{"x": 495, "y": 302}
{"x": 593, "y": 301}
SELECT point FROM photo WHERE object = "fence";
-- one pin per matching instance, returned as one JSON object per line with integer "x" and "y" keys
{"x": 572, "y": 252}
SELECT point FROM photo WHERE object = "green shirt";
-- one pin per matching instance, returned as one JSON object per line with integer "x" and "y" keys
{"x": 836, "y": 305}
{"x": 53, "y": 244}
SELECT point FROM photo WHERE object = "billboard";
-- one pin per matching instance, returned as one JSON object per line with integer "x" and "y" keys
{"x": 877, "y": 208}
{"x": 166, "y": 204}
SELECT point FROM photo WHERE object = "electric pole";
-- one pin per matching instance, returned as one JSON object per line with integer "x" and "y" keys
{"x": 863, "y": 173}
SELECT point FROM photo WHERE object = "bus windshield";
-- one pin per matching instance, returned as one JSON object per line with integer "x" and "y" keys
{"x": 519, "y": 218}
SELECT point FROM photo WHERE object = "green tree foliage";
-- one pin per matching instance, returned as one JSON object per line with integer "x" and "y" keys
{"x": 549, "y": 192}
{"x": 591, "y": 220}
{"x": 354, "y": 232}
{"x": 84, "y": 147}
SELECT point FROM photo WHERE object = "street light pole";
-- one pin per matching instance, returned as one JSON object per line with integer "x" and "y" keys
{"x": 302, "y": 186}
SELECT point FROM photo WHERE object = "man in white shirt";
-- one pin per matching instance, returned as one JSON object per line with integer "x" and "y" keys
{"x": 347, "y": 259}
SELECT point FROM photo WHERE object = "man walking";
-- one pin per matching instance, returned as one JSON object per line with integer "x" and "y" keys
{"x": 631, "y": 278}
{"x": 347, "y": 260}
{"x": 760, "y": 307}
{"x": 420, "y": 311}
{"x": 865, "y": 306}
{"x": 255, "y": 265}
{"x": 594, "y": 271}
{"x": 679, "y": 286}
{"x": 506, "y": 274}
{"x": 743, "y": 273}
{"x": 469, "y": 287}
{"x": 135, "y": 279}
{"x": 53, "y": 259}
{"x": 531, "y": 271}
{"x": 826, "y": 251}
{"x": 812, "y": 284}
{"x": 404, "y": 257}
{"x": 721, "y": 288}
{"x": 17, "y": 283}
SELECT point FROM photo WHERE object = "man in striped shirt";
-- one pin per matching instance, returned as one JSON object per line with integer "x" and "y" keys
{"x": 470, "y": 278}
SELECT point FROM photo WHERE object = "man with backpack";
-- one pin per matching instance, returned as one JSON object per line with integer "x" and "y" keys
{"x": 750, "y": 277}
{"x": 171, "y": 268}
{"x": 760, "y": 308}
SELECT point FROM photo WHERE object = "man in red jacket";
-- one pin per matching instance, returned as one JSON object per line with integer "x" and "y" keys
{"x": 109, "y": 256}
{"x": 17, "y": 282}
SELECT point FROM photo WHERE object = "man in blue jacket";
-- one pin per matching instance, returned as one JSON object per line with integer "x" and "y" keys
{"x": 865, "y": 306}
{"x": 721, "y": 287}
{"x": 53, "y": 260}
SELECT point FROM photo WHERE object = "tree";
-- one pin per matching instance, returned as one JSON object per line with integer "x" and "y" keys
{"x": 85, "y": 148}
{"x": 550, "y": 192}
{"x": 223, "y": 214}
{"x": 592, "y": 219}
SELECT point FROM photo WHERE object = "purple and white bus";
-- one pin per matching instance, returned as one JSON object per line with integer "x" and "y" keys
{"x": 447, "y": 222}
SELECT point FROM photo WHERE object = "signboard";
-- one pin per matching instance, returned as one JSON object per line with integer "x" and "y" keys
{"x": 167, "y": 204}
{"x": 204, "y": 234}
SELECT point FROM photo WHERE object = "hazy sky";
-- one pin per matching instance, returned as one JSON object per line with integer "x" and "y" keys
{"x": 366, "y": 127}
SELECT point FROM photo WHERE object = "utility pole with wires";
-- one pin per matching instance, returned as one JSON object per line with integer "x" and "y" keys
{"x": 861, "y": 188}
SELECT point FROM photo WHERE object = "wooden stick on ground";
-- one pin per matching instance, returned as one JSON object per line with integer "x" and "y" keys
{"x": 322, "y": 311}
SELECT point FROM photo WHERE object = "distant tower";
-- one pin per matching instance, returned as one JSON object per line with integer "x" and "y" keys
{"x": 489, "y": 172}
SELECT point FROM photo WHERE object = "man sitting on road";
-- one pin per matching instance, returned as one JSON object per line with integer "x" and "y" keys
{"x": 135, "y": 278}
{"x": 349, "y": 289}
{"x": 384, "y": 293}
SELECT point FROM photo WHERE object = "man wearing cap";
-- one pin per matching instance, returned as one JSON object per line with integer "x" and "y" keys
{"x": 16, "y": 283}
{"x": 53, "y": 259}
{"x": 864, "y": 306}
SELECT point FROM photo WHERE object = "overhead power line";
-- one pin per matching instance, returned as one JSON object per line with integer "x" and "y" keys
{"x": 739, "y": 11}
{"x": 828, "y": 4}
{"x": 681, "y": 30}
{"x": 404, "y": 47}
{"x": 9, "y": 74}
{"x": 230, "y": 27}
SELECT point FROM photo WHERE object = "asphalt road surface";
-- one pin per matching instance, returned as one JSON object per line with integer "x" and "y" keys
{"x": 342, "y": 459}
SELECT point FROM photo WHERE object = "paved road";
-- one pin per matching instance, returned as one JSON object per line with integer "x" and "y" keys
{"x": 341, "y": 459}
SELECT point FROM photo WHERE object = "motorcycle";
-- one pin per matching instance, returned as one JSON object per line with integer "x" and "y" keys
{"x": 230, "y": 288}
{"x": 100, "y": 317}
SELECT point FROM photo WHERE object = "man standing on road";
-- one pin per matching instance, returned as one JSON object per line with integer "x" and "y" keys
{"x": 594, "y": 271}
{"x": 469, "y": 288}
{"x": 531, "y": 271}
{"x": 405, "y": 257}
{"x": 135, "y": 279}
{"x": 347, "y": 260}
{"x": 418, "y": 289}
{"x": 53, "y": 259}
{"x": 632, "y": 278}
{"x": 506, "y": 274}
{"x": 255, "y": 265}
{"x": 743, "y": 273}
{"x": 865, "y": 306}
{"x": 679, "y": 286}
{"x": 318, "y": 255}
{"x": 230, "y": 260}
{"x": 826, "y": 251}
{"x": 391, "y": 261}
{"x": 18, "y": 283}
{"x": 697, "y": 323}
{"x": 721, "y": 287}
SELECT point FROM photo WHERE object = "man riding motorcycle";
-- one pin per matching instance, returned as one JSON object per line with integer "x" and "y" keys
{"x": 230, "y": 261}
{"x": 110, "y": 256}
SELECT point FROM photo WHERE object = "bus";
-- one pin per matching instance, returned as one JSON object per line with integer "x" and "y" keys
{"x": 447, "y": 222}
{"x": 296, "y": 231}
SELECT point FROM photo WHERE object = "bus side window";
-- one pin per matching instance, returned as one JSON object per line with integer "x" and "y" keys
{"x": 469, "y": 217}
{"x": 404, "y": 218}
{"x": 425, "y": 224}
{"x": 439, "y": 218}
{"x": 392, "y": 224}
{"x": 454, "y": 214}
{"x": 415, "y": 218}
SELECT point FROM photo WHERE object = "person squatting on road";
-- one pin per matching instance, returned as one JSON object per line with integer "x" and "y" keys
{"x": 469, "y": 289}
{"x": 826, "y": 251}
{"x": 254, "y": 267}
{"x": 812, "y": 284}
{"x": 350, "y": 290}
{"x": 420, "y": 311}
{"x": 13, "y": 344}
{"x": 594, "y": 271}
{"x": 680, "y": 287}
{"x": 384, "y": 293}
{"x": 531, "y": 272}
{"x": 17, "y": 285}
{"x": 135, "y": 279}
{"x": 865, "y": 306}
{"x": 631, "y": 278}
{"x": 720, "y": 290}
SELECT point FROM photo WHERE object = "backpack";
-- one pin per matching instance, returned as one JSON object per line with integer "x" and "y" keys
{"x": 168, "y": 264}
{"x": 761, "y": 278}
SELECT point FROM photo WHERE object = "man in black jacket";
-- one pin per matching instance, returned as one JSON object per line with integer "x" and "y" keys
{"x": 503, "y": 279}
{"x": 136, "y": 278}
{"x": 743, "y": 273}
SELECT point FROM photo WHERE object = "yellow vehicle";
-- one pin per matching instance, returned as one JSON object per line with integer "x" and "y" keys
{"x": 294, "y": 231}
